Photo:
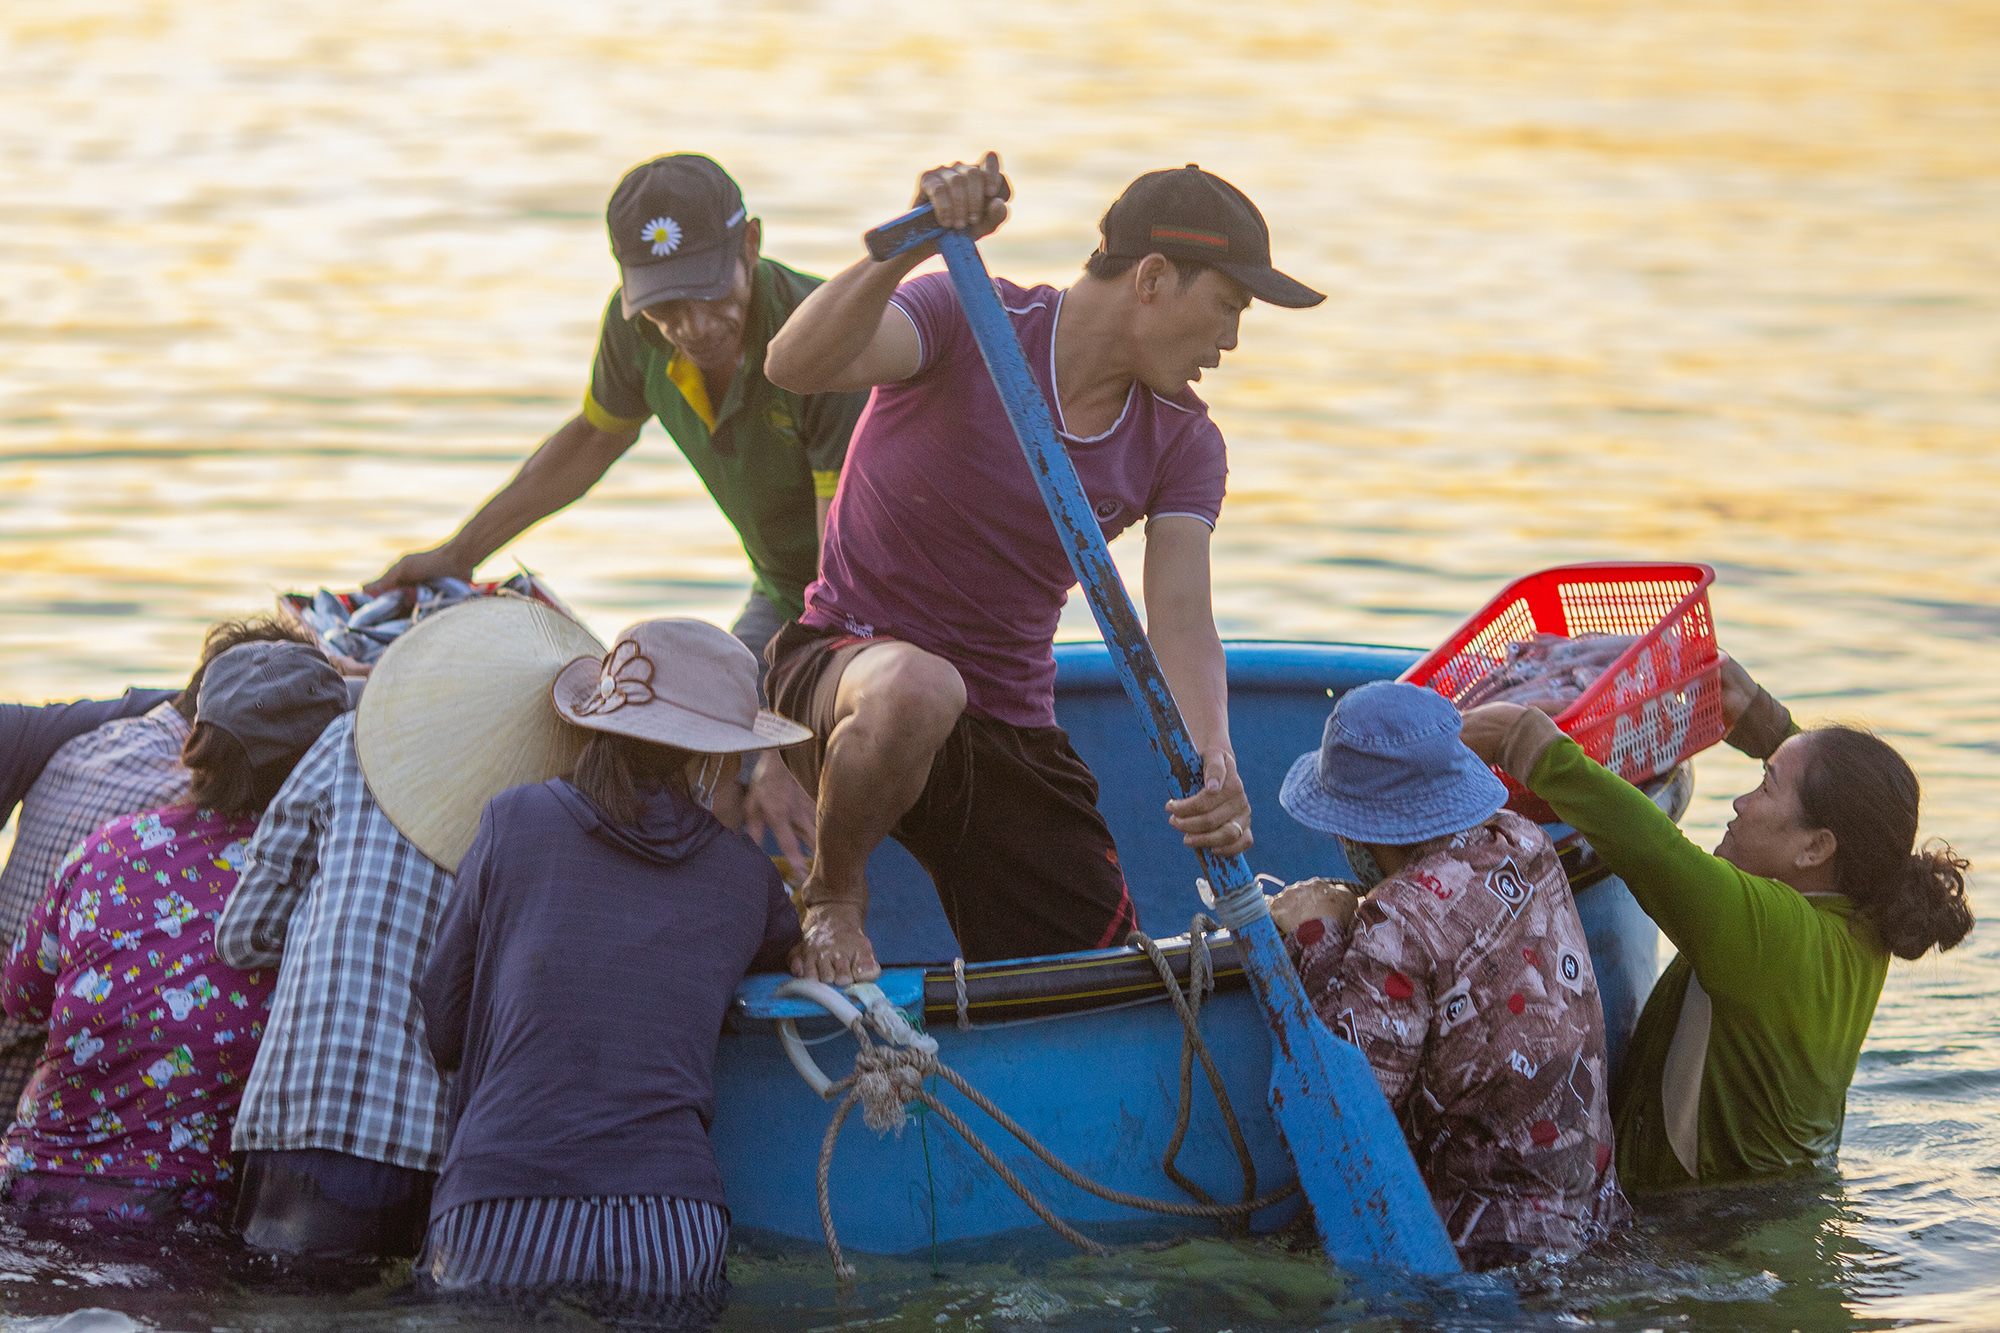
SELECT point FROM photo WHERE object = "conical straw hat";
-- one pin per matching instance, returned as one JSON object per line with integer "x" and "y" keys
{"x": 458, "y": 710}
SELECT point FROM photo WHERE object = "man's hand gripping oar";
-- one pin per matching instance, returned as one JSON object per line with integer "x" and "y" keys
{"x": 1364, "y": 1187}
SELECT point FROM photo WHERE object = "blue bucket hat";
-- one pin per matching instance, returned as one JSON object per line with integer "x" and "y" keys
{"x": 1391, "y": 770}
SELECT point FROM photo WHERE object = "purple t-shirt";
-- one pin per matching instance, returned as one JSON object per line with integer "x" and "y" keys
{"x": 938, "y": 536}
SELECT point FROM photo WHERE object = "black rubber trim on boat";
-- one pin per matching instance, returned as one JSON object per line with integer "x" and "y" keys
{"x": 1015, "y": 989}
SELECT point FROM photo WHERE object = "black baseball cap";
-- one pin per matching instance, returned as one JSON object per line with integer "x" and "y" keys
{"x": 676, "y": 228}
{"x": 1194, "y": 214}
{"x": 275, "y": 698}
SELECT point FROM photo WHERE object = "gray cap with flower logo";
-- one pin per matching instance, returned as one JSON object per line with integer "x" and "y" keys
{"x": 678, "y": 682}
{"x": 676, "y": 227}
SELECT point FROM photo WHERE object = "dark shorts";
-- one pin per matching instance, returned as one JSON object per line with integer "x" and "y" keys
{"x": 1007, "y": 826}
{"x": 320, "y": 1204}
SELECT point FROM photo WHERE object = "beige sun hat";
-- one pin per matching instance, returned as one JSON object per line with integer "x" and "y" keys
{"x": 678, "y": 682}
{"x": 457, "y": 711}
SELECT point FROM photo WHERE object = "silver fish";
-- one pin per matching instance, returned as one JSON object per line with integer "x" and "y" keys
{"x": 427, "y": 609}
{"x": 1546, "y": 669}
{"x": 388, "y": 606}
{"x": 327, "y": 604}
{"x": 357, "y": 646}
{"x": 320, "y": 623}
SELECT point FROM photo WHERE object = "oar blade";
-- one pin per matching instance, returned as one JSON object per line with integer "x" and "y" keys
{"x": 1367, "y": 1196}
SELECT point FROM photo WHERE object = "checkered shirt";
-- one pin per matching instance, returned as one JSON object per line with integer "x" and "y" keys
{"x": 121, "y": 768}
{"x": 351, "y": 908}
{"x": 18, "y": 1060}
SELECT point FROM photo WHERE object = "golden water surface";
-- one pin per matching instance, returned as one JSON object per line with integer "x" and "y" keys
{"x": 285, "y": 289}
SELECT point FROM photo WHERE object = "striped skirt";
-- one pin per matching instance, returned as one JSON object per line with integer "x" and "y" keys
{"x": 636, "y": 1247}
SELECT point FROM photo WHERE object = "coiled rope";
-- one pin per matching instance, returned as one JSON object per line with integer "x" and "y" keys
{"x": 888, "y": 1077}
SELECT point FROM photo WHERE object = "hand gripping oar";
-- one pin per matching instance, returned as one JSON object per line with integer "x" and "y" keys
{"x": 1363, "y": 1185}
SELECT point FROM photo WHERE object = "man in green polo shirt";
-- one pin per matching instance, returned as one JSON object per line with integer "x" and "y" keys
{"x": 683, "y": 340}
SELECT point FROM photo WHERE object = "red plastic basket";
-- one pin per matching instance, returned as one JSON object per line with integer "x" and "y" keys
{"x": 1659, "y": 703}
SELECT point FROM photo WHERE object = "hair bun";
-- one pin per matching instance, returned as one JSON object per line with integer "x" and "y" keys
{"x": 1859, "y": 789}
{"x": 1928, "y": 908}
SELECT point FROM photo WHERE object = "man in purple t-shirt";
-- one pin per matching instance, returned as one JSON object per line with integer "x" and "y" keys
{"x": 923, "y": 661}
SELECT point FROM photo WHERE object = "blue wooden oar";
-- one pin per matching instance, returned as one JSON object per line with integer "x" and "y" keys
{"x": 1364, "y": 1187}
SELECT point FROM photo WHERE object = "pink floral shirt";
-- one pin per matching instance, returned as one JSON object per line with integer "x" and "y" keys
{"x": 150, "y": 1035}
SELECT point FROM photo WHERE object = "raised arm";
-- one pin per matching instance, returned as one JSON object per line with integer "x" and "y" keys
{"x": 1180, "y": 622}
{"x": 1758, "y": 723}
{"x": 845, "y": 336}
{"x": 1734, "y": 926}
{"x": 556, "y": 475}
{"x": 1364, "y": 985}
{"x": 30, "y": 734}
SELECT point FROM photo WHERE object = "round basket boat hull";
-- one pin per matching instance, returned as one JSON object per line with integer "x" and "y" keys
{"x": 1098, "y": 1086}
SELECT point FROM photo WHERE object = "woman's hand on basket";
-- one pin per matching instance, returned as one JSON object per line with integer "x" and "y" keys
{"x": 1739, "y": 691}
{"x": 1484, "y": 727}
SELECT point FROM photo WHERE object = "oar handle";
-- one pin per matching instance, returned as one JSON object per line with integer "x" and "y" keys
{"x": 917, "y": 227}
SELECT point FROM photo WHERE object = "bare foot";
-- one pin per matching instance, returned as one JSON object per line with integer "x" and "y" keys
{"x": 835, "y": 949}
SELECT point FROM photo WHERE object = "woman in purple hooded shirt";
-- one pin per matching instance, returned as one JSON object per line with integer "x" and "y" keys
{"x": 597, "y": 929}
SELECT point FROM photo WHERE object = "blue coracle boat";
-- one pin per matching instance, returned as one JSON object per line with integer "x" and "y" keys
{"x": 1084, "y": 1050}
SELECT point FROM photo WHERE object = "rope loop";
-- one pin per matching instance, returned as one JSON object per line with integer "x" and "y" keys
{"x": 889, "y": 1075}
{"x": 1201, "y": 967}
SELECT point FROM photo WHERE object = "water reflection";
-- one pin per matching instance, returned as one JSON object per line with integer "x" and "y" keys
{"x": 1783, "y": 1256}
{"x": 284, "y": 290}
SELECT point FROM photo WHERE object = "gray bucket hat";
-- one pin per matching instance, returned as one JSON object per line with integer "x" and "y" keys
{"x": 677, "y": 682}
{"x": 1391, "y": 770}
{"x": 275, "y": 698}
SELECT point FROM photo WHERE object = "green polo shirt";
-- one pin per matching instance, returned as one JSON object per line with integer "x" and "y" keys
{"x": 767, "y": 455}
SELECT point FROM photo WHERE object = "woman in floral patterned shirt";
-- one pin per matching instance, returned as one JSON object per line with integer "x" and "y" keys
{"x": 1463, "y": 975}
{"x": 128, "y": 1115}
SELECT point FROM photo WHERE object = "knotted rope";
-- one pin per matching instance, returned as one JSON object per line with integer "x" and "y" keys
{"x": 888, "y": 1077}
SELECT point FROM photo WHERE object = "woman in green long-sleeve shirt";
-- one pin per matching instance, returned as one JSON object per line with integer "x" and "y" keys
{"x": 1740, "y": 1063}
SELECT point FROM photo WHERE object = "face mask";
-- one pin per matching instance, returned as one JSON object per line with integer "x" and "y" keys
{"x": 705, "y": 783}
{"x": 1362, "y": 862}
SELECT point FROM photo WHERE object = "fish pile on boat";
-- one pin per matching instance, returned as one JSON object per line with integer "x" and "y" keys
{"x": 1548, "y": 671}
{"x": 362, "y": 628}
